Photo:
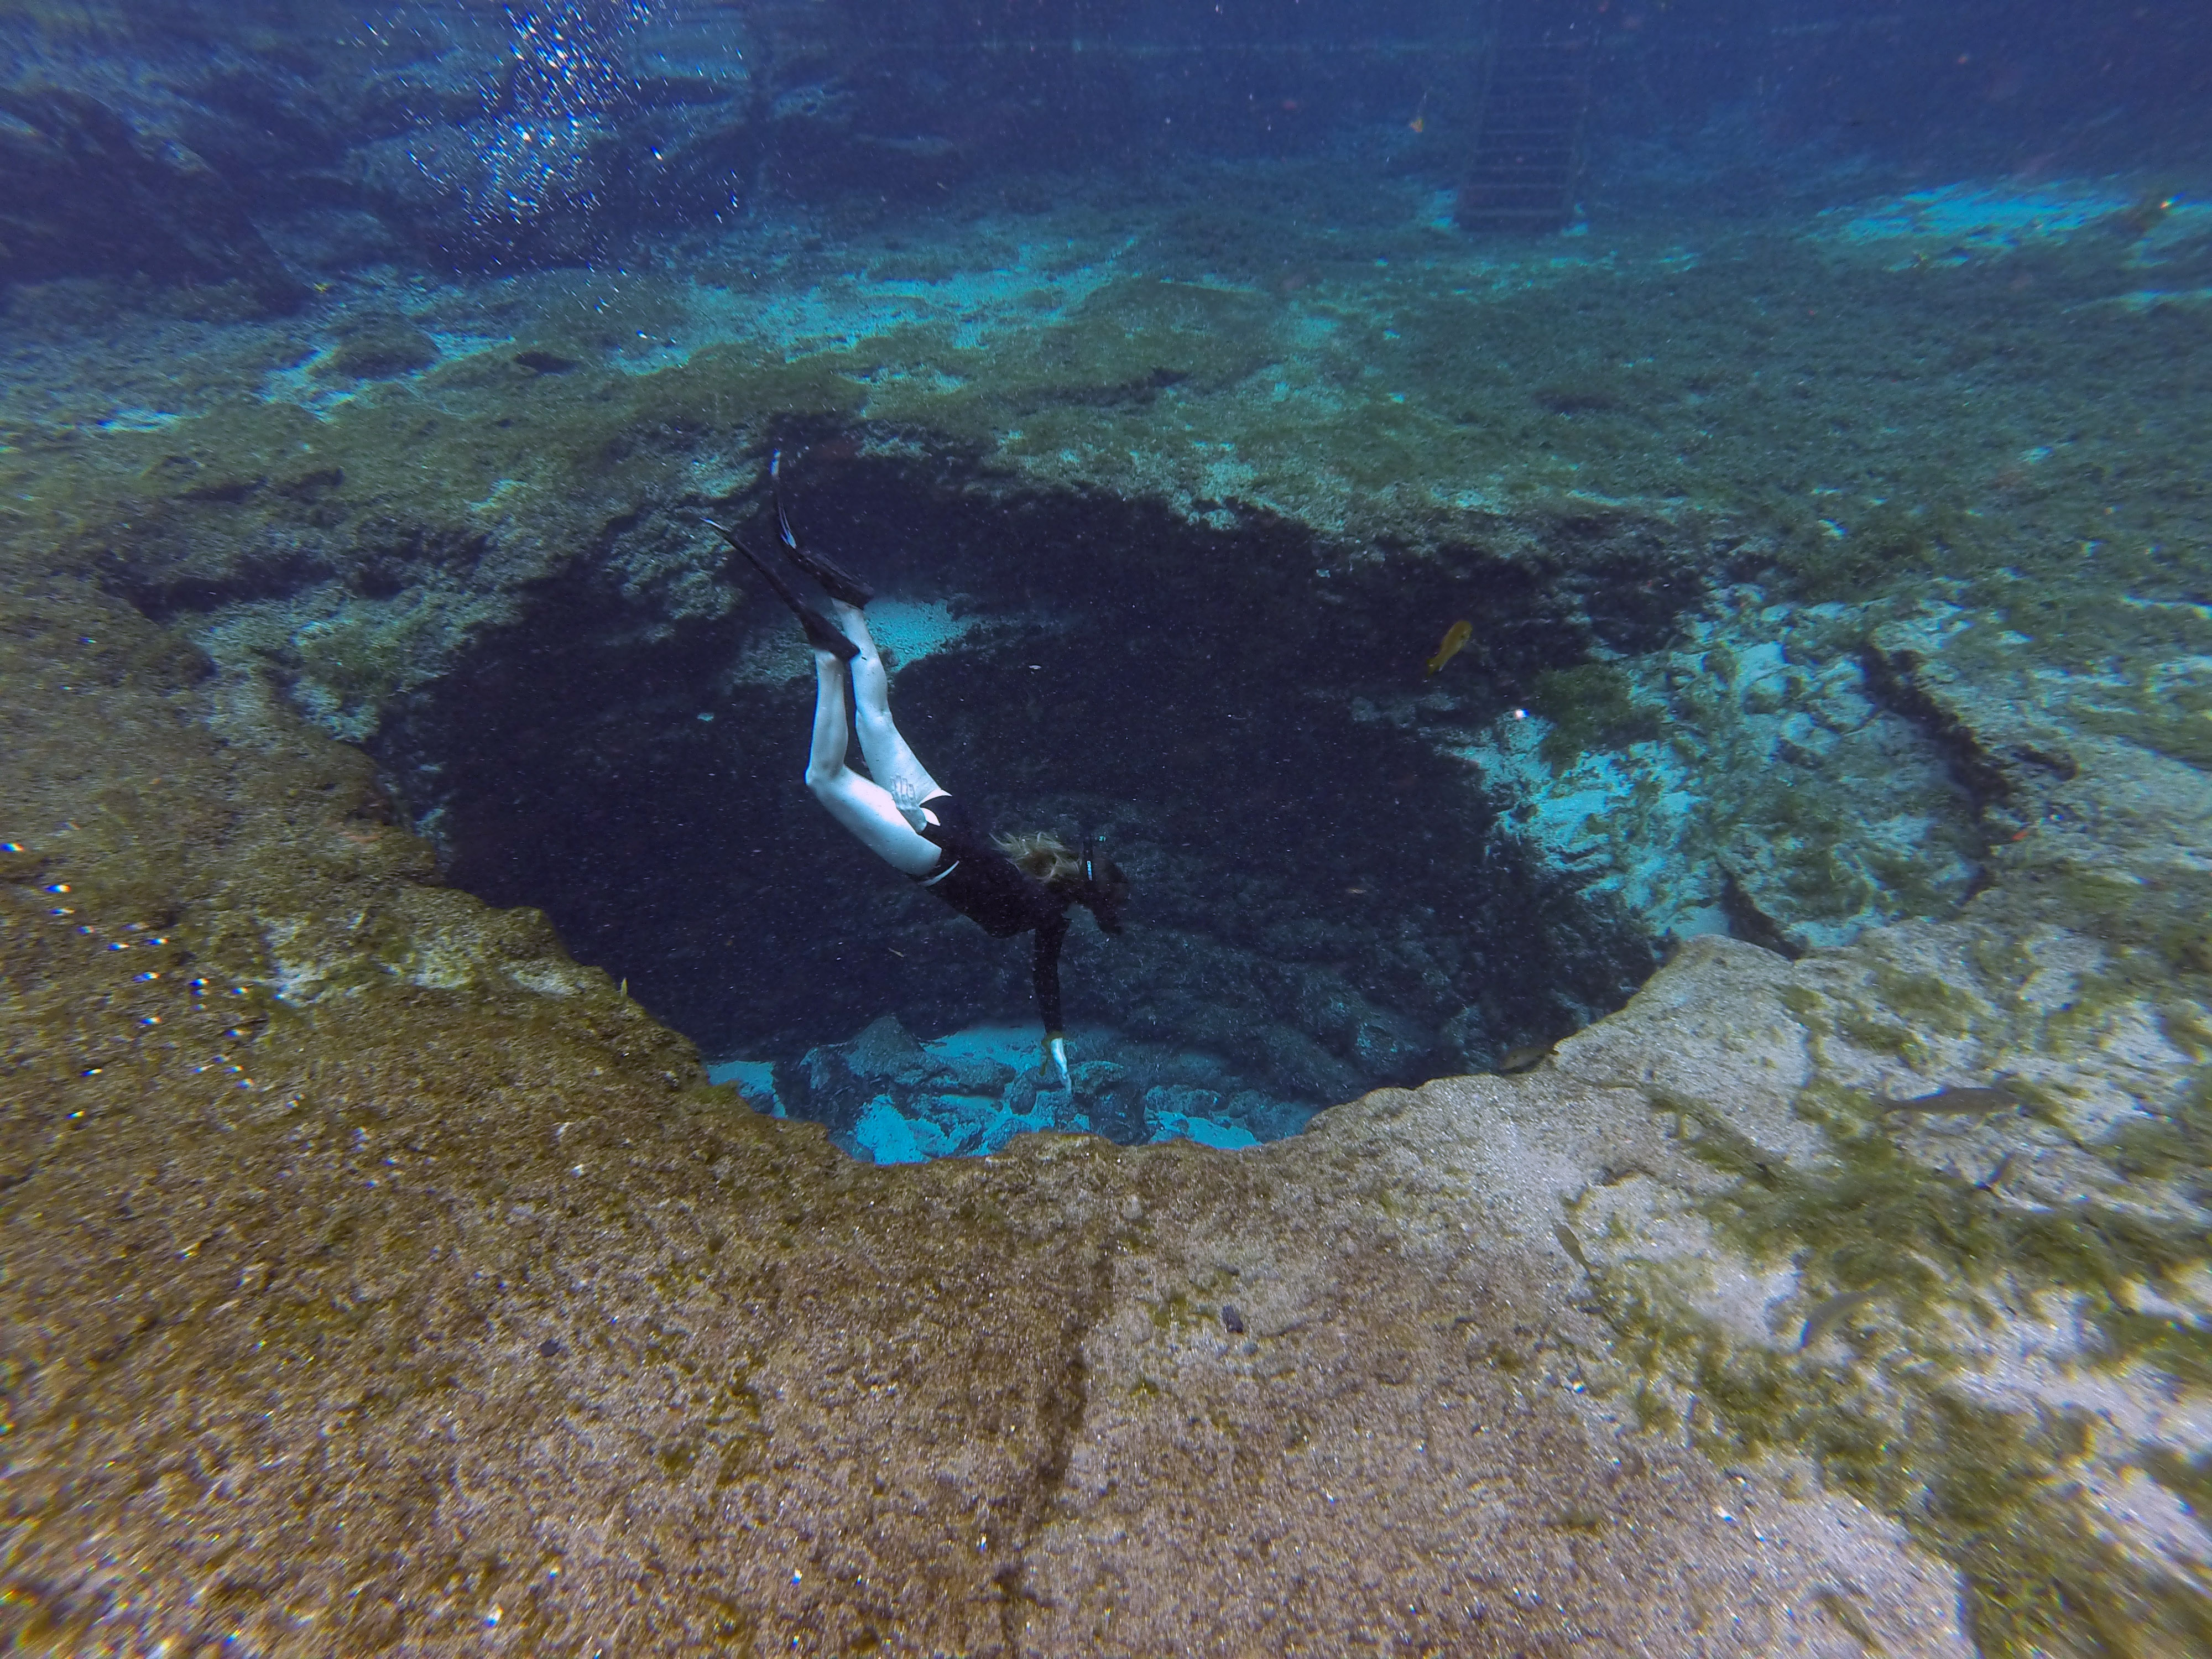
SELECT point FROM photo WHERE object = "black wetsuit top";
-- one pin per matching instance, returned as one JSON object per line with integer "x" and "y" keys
{"x": 982, "y": 883}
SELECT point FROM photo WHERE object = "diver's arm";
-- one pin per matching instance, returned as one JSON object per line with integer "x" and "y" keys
{"x": 1045, "y": 971}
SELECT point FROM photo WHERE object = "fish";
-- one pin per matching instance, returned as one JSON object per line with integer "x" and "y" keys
{"x": 1830, "y": 1314}
{"x": 1839, "y": 1607}
{"x": 1572, "y": 1246}
{"x": 1527, "y": 1058}
{"x": 1958, "y": 1103}
{"x": 1455, "y": 637}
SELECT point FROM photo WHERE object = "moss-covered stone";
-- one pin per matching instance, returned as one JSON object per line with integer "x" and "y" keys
{"x": 1893, "y": 1401}
{"x": 1823, "y": 560}
{"x": 1592, "y": 706}
{"x": 386, "y": 1201}
{"x": 380, "y": 349}
{"x": 316, "y": 1169}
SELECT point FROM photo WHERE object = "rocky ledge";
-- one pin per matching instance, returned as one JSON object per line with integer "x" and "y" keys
{"x": 377, "y": 1279}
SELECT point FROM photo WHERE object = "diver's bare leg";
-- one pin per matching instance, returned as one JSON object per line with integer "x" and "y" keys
{"x": 865, "y": 808}
{"x": 889, "y": 758}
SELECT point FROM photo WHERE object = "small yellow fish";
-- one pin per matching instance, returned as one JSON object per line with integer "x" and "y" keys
{"x": 1455, "y": 637}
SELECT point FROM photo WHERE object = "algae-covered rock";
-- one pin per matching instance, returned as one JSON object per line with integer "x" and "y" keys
{"x": 379, "y": 1278}
{"x": 380, "y": 349}
{"x": 317, "y": 1171}
{"x": 91, "y": 185}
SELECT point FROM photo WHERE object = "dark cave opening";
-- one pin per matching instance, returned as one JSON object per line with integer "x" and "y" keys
{"x": 1321, "y": 898}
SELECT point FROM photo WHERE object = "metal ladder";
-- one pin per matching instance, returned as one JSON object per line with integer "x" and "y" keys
{"x": 1528, "y": 144}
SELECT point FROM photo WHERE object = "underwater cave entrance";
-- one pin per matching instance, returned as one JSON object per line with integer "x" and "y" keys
{"x": 1323, "y": 900}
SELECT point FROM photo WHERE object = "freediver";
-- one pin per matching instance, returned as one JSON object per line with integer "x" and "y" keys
{"x": 1007, "y": 884}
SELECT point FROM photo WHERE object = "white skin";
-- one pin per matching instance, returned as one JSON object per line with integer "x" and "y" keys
{"x": 869, "y": 807}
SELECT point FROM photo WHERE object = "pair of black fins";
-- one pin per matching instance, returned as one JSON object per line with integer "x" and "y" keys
{"x": 821, "y": 633}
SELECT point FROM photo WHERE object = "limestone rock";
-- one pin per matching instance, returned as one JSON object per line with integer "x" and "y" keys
{"x": 887, "y": 1049}
{"x": 519, "y": 1327}
{"x": 85, "y": 190}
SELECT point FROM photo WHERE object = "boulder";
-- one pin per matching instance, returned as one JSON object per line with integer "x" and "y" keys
{"x": 438, "y": 1234}
{"x": 85, "y": 191}
{"x": 887, "y": 1050}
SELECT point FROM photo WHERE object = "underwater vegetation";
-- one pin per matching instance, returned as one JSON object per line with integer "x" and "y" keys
{"x": 1941, "y": 1299}
{"x": 1591, "y": 706}
{"x": 1792, "y": 581}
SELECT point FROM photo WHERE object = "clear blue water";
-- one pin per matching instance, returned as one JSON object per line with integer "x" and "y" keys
{"x": 1464, "y": 504}
{"x": 1180, "y": 376}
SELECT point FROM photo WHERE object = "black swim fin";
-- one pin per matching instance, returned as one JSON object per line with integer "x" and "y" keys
{"x": 837, "y": 582}
{"x": 821, "y": 633}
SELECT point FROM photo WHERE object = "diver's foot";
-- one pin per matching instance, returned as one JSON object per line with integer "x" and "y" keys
{"x": 823, "y": 635}
{"x": 853, "y": 622}
{"x": 837, "y": 583}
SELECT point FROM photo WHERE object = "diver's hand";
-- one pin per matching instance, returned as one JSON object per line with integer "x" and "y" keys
{"x": 1055, "y": 1050}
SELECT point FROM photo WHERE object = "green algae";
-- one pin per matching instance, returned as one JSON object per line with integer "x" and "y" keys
{"x": 1989, "y": 1489}
{"x": 380, "y": 349}
{"x": 475, "y": 445}
{"x": 1095, "y": 381}
{"x": 2187, "y": 1025}
{"x": 353, "y": 663}
{"x": 2175, "y": 1147}
{"x": 1785, "y": 386}
{"x": 2180, "y": 1348}
{"x": 1592, "y": 707}
{"x": 1847, "y": 552}
{"x": 2175, "y": 720}
{"x": 1841, "y": 1608}
{"x": 2189, "y": 1478}
{"x": 1589, "y": 1521}
{"x": 1926, "y": 1001}
{"x": 1880, "y": 1215}
{"x": 1711, "y": 1139}
{"x": 2038, "y": 1575}
{"x": 1882, "y": 1034}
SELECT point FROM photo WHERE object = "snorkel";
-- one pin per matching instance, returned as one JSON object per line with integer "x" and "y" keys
{"x": 1104, "y": 887}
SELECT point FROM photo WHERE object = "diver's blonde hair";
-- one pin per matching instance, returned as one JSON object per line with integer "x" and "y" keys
{"x": 1044, "y": 856}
